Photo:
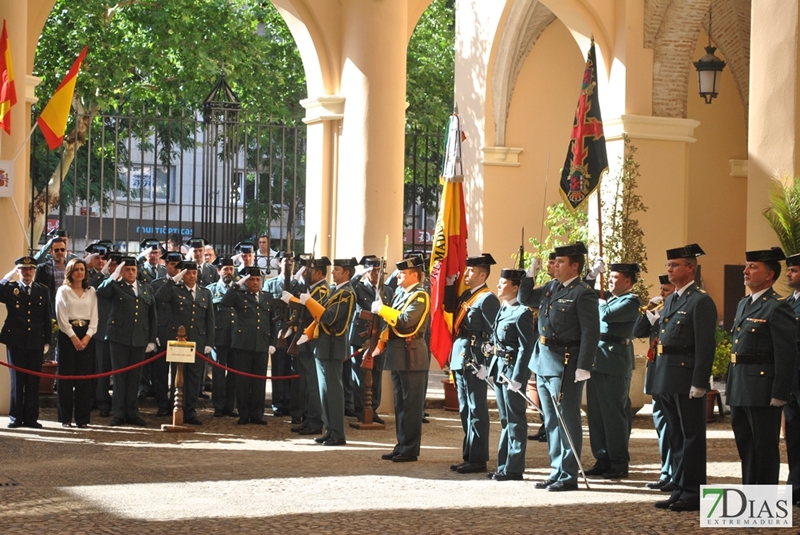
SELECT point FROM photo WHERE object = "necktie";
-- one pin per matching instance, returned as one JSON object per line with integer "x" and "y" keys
{"x": 194, "y": 296}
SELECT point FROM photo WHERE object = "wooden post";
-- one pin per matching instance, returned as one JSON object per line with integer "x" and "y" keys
{"x": 367, "y": 423}
{"x": 177, "y": 411}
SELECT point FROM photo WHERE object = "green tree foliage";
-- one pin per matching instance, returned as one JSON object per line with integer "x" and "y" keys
{"x": 783, "y": 213}
{"x": 565, "y": 226}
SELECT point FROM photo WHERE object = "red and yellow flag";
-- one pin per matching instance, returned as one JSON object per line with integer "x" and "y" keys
{"x": 53, "y": 120}
{"x": 449, "y": 255}
{"x": 8, "y": 95}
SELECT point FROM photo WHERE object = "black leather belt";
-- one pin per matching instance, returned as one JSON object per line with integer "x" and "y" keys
{"x": 79, "y": 323}
{"x": 555, "y": 343}
{"x": 476, "y": 338}
{"x": 615, "y": 339}
{"x": 751, "y": 359}
{"x": 675, "y": 350}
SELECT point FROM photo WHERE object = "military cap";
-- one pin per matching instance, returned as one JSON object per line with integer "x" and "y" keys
{"x": 573, "y": 249}
{"x": 774, "y": 254}
{"x": 189, "y": 265}
{"x": 25, "y": 261}
{"x": 483, "y": 260}
{"x": 625, "y": 268}
{"x": 663, "y": 279}
{"x": 414, "y": 252}
{"x": 688, "y": 251}
{"x": 149, "y": 242}
{"x": 245, "y": 247}
{"x": 321, "y": 262}
{"x": 410, "y": 263}
{"x": 222, "y": 261}
{"x": 127, "y": 261}
{"x": 96, "y": 247}
{"x": 284, "y": 254}
{"x": 514, "y": 275}
{"x": 793, "y": 260}
{"x": 109, "y": 245}
{"x": 345, "y": 262}
{"x": 551, "y": 256}
{"x": 114, "y": 257}
{"x": 370, "y": 261}
{"x": 302, "y": 259}
{"x": 253, "y": 271}
{"x": 196, "y": 242}
{"x": 173, "y": 256}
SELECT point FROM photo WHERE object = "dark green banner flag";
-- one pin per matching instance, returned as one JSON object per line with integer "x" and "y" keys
{"x": 586, "y": 158}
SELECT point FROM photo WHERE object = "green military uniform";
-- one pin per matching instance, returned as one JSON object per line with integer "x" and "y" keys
{"x": 283, "y": 364}
{"x": 685, "y": 356}
{"x": 608, "y": 389}
{"x": 763, "y": 363}
{"x": 223, "y": 383}
{"x": 513, "y": 340}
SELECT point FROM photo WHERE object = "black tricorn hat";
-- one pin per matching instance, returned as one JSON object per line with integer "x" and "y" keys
{"x": 515, "y": 275}
{"x": 245, "y": 247}
{"x": 149, "y": 242}
{"x": 189, "y": 265}
{"x": 573, "y": 249}
{"x": 369, "y": 260}
{"x": 793, "y": 260}
{"x": 345, "y": 262}
{"x": 173, "y": 256}
{"x": 98, "y": 248}
{"x": 321, "y": 262}
{"x": 663, "y": 279}
{"x": 196, "y": 242}
{"x": 551, "y": 256}
{"x": 687, "y": 251}
{"x": 625, "y": 268}
{"x": 774, "y": 254}
{"x": 109, "y": 245}
{"x": 127, "y": 261}
{"x": 222, "y": 261}
{"x": 410, "y": 263}
{"x": 284, "y": 254}
{"x": 483, "y": 260}
{"x": 253, "y": 271}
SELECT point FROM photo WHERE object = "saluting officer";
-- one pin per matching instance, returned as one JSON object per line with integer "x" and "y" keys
{"x": 223, "y": 382}
{"x": 333, "y": 316}
{"x": 474, "y": 313}
{"x": 26, "y": 334}
{"x": 511, "y": 348}
{"x": 687, "y": 342}
{"x": 131, "y": 332}
{"x": 406, "y": 356}
{"x": 150, "y": 268}
{"x": 253, "y": 340}
{"x": 206, "y": 273}
{"x": 791, "y": 410}
{"x": 763, "y": 362}
{"x": 569, "y": 332}
{"x": 648, "y": 326}
{"x": 160, "y": 367}
{"x": 192, "y": 307}
{"x": 607, "y": 391}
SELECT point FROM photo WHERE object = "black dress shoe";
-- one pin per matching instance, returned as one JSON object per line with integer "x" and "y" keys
{"x": 616, "y": 474}
{"x": 279, "y": 413}
{"x": 455, "y": 467}
{"x": 32, "y": 425}
{"x": 403, "y": 458}
{"x": 323, "y": 438}
{"x": 669, "y": 487}
{"x": 242, "y": 421}
{"x": 163, "y": 412}
{"x": 560, "y": 486}
{"x": 334, "y": 442}
{"x": 657, "y": 485}
{"x": 544, "y": 484}
{"x": 14, "y": 425}
{"x": 116, "y": 421}
{"x": 505, "y": 476}
{"x": 192, "y": 420}
{"x": 297, "y": 429}
{"x": 350, "y": 413}
{"x": 136, "y": 421}
{"x": 105, "y": 413}
{"x": 490, "y": 475}
{"x": 543, "y": 438}
{"x": 231, "y": 413}
{"x": 309, "y": 431}
{"x": 258, "y": 421}
{"x": 203, "y": 395}
{"x": 218, "y": 413}
{"x": 664, "y": 504}
{"x": 685, "y": 505}
{"x": 377, "y": 419}
{"x": 425, "y": 420}
{"x": 296, "y": 420}
{"x": 471, "y": 468}
{"x": 596, "y": 470}
{"x": 389, "y": 456}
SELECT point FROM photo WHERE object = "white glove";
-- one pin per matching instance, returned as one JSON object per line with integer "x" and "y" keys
{"x": 117, "y": 275}
{"x": 776, "y": 402}
{"x": 302, "y": 340}
{"x": 598, "y": 267}
{"x": 360, "y": 270}
{"x": 376, "y": 306}
{"x": 286, "y": 297}
{"x": 377, "y": 351}
{"x": 10, "y": 275}
{"x": 513, "y": 385}
{"x": 288, "y": 332}
{"x": 179, "y": 277}
{"x": 695, "y": 392}
{"x": 656, "y": 300}
{"x": 271, "y": 350}
{"x": 158, "y": 343}
{"x": 237, "y": 259}
{"x": 106, "y": 269}
{"x": 47, "y": 350}
{"x": 652, "y": 316}
{"x": 300, "y": 272}
{"x": 536, "y": 265}
{"x": 601, "y": 301}
{"x": 487, "y": 348}
{"x": 89, "y": 257}
{"x": 241, "y": 281}
{"x": 144, "y": 253}
{"x": 304, "y": 297}
{"x": 207, "y": 350}
{"x": 451, "y": 280}
{"x": 582, "y": 375}
{"x": 151, "y": 348}
{"x": 481, "y": 372}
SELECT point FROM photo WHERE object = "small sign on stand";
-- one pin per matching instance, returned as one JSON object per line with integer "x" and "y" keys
{"x": 180, "y": 352}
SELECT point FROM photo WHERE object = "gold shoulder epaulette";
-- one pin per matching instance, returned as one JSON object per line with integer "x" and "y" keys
{"x": 702, "y": 291}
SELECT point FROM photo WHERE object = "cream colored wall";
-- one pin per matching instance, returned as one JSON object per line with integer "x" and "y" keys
{"x": 717, "y": 201}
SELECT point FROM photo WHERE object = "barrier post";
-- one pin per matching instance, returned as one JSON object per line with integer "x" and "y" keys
{"x": 177, "y": 412}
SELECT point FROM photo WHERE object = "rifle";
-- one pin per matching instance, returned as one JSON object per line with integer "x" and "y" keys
{"x": 375, "y": 325}
{"x": 303, "y": 312}
{"x": 285, "y": 309}
{"x": 521, "y": 258}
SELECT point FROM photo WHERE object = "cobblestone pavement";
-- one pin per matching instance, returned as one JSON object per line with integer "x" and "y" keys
{"x": 233, "y": 479}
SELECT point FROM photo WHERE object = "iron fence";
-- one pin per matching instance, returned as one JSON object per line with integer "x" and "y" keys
{"x": 422, "y": 192}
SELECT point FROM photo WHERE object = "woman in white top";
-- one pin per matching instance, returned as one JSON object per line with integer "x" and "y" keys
{"x": 76, "y": 312}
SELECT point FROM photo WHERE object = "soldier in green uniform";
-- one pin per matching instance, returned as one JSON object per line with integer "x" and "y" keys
{"x": 791, "y": 410}
{"x": 763, "y": 362}
{"x": 206, "y": 273}
{"x": 131, "y": 332}
{"x": 223, "y": 382}
{"x": 192, "y": 307}
{"x": 511, "y": 348}
{"x": 474, "y": 312}
{"x": 403, "y": 340}
{"x": 160, "y": 367}
{"x": 685, "y": 354}
{"x": 332, "y": 319}
{"x": 607, "y": 391}
{"x": 647, "y": 326}
{"x": 253, "y": 340}
{"x": 569, "y": 332}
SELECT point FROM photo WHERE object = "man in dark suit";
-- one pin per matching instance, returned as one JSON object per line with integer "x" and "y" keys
{"x": 131, "y": 332}
{"x": 648, "y": 326}
{"x": 791, "y": 410}
{"x": 223, "y": 382}
{"x": 569, "y": 332}
{"x": 26, "y": 334}
{"x": 608, "y": 405}
{"x": 685, "y": 354}
{"x": 403, "y": 340}
{"x": 45, "y": 253}
{"x": 763, "y": 362}
{"x": 474, "y": 312}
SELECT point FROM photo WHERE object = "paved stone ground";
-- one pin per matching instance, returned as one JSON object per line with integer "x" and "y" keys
{"x": 235, "y": 479}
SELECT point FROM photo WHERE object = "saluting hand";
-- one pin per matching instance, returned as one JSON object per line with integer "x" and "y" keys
{"x": 179, "y": 277}
{"x": 241, "y": 281}
{"x": 300, "y": 272}
{"x": 11, "y": 274}
{"x": 117, "y": 275}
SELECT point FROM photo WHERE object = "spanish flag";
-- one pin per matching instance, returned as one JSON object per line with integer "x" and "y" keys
{"x": 449, "y": 255}
{"x": 53, "y": 120}
{"x": 8, "y": 95}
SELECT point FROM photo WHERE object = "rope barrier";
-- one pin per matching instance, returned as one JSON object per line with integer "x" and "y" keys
{"x": 252, "y": 375}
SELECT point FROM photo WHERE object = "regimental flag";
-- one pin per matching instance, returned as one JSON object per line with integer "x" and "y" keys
{"x": 8, "y": 95}
{"x": 449, "y": 254}
{"x": 53, "y": 120}
{"x": 586, "y": 158}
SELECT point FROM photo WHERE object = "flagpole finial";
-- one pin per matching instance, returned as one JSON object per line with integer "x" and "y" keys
{"x": 455, "y": 109}
{"x": 592, "y": 38}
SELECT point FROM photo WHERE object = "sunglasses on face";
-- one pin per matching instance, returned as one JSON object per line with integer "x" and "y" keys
{"x": 59, "y": 250}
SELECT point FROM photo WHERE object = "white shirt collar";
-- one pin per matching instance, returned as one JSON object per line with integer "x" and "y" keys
{"x": 569, "y": 281}
{"x": 680, "y": 291}
{"x": 473, "y": 290}
{"x": 510, "y": 302}
{"x": 758, "y": 294}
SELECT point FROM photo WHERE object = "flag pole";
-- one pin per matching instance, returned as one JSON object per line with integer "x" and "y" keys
{"x": 25, "y": 142}
{"x": 600, "y": 238}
